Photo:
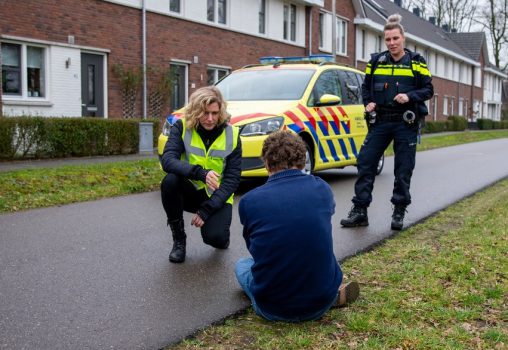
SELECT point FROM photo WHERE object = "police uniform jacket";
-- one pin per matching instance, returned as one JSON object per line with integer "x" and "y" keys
{"x": 384, "y": 79}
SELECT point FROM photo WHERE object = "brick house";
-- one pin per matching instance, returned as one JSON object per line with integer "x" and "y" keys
{"x": 58, "y": 57}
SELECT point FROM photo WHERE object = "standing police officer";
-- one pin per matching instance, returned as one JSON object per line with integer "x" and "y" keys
{"x": 396, "y": 85}
{"x": 202, "y": 159}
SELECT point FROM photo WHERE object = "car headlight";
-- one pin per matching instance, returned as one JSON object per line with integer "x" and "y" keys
{"x": 262, "y": 127}
{"x": 166, "y": 128}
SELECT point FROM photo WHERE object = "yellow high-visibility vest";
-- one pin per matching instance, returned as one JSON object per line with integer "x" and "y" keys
{"x": 214, "y": 157}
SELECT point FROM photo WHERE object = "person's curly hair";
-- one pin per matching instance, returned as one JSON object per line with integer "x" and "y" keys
{"x": 284, "y": 150}
{"x": 198, "y": 102}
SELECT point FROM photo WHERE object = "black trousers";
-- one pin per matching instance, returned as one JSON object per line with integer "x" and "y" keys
{"x": 380, "y": 135}
{"x": 179, "y": 195}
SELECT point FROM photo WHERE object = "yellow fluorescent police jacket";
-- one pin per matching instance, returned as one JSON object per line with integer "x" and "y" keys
{"x": 384, "y": 79}
{"x": 214, "y": 157}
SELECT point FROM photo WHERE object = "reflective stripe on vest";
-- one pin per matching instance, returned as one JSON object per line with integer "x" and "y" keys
{"x": 213, "y": 159}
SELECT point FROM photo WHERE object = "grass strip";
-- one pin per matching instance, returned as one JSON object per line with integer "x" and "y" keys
{"x": 432, "y": 141}
{"x": 441, "y": 284}
{"x": 36, "y": 188}
{"x": 45, "y": 187}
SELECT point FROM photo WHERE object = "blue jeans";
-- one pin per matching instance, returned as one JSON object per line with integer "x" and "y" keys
{"x": 244, "y": 276}
{"x": 380, "y": 135}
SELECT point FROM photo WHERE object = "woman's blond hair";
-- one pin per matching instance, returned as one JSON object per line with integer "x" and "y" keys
{"x": 393, "y": 22}
{"x": 199, "y": 100}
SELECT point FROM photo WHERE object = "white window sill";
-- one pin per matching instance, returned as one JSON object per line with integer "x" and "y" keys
{"x": 41, "y": 103}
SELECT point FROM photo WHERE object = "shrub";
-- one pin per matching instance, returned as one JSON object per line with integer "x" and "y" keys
{"x": 435, "y": 126}
{"x": 43, "y": 137}
{"x": 456, "y": 123}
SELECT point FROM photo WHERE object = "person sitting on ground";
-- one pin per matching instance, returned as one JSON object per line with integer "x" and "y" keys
{"x": 293, "y": 274}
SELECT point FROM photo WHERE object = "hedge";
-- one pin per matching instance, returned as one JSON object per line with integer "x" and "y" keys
{"x": 45, "y": 137}
{"x": 487, "y": 124}
{"x": 452, "y": 123}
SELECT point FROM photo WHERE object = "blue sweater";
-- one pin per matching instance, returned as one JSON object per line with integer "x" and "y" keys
{"x": 288, "y": 231}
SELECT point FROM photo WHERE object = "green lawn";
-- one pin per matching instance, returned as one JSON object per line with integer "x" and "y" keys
{"x": 442, "y": 284}
{"x": 35, "y": 188}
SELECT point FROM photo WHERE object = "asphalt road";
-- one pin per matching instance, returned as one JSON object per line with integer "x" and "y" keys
{"x": 95, "y": 275}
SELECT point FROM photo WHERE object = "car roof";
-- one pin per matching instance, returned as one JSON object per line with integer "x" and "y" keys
{"x": 299, "y": 66}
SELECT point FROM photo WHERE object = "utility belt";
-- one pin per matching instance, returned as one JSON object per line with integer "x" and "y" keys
{"x": 406, "y": 116}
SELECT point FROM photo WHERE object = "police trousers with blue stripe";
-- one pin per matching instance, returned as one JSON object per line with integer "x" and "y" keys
{"x": 381, "y": 133}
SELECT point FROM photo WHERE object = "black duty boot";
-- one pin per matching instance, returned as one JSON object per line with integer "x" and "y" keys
{"x": 356, "y": 217}
{"x": 398, "y": 217}
{"x": 177, "y": 254}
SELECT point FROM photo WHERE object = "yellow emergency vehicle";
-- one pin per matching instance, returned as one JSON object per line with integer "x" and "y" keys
{"x": 312, "y": 96}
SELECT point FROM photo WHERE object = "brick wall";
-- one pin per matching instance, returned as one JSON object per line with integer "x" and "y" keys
{"x": 117, "y": 28}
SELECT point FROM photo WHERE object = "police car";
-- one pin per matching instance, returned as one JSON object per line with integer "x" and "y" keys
{"x": 312, "y": 96}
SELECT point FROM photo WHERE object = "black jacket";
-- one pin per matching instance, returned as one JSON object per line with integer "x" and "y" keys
{"x": 424, "y": 89}
{"x": 230, "y": 178}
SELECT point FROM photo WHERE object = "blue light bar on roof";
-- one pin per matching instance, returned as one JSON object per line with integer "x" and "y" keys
{"x": 296, "y": 59}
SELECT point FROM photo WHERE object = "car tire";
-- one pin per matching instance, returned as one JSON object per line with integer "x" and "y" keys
{"x": 380, "y": 165}
{"x": 309, "y": 160}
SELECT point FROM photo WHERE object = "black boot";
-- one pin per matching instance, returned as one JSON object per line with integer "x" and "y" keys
{"x": 177, "y": 254}
{"x": 356, "y": 217}
{"x": 398, "y": 217}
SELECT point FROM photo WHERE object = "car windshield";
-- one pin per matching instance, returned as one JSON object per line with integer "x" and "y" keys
{"x": 274, "y": 84}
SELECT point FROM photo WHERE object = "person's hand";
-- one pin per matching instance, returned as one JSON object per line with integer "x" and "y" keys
{"x": 401, "y": 98}
{"x": 212, "y": 180}
{"x": 197, "y": 221}
{"x": 370, "y": 107}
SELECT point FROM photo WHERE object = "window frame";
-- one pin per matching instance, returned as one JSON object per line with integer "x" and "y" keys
{"x": 262, "y": 17}
{"x": 341, "y": 30}
{"x": 214, "y": 15}
{"x": 178, "y": 3}
{"x": 216, "y": 73}
{"x": 290, "y": 18}
{"x": 23, "y": 72}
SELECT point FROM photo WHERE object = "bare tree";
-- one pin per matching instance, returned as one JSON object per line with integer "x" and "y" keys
{"x": 457, "y": 14}
{"x": 494, "y": 20}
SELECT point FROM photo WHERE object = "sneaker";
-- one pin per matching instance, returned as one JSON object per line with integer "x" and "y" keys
{"x": 398, "y": 217}
{"x": 348, "y": 293}
{"x": 356, "y": 217}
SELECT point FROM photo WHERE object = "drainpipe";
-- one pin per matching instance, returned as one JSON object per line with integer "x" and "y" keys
{"x": 144, "y": 57}
{"x": 334, "y": 31}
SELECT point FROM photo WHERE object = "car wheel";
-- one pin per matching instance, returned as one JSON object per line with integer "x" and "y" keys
{"x": 380, "y": 165}
{"x": 309, "y": 160}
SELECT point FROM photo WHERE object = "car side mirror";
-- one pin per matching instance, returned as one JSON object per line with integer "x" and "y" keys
{"x": 328, "y": 100}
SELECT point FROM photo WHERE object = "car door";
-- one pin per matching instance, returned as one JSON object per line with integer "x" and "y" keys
{"x": 333, "y": 126}
{"x": 352, "y": 105}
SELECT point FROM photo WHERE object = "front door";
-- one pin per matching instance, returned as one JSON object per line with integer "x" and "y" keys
{"x": 178, "y": 91}
{"x": 92, "y": 85}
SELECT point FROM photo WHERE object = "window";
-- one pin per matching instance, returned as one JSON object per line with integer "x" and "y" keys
{"x": 11, "y": 69}
{"x": 379, "y": 44}
{"x": 23, "y": 70}
{"x": 461, "y": 106}
{"x": 452, "y": 105}
{"x": 327, "y": 83}
{"x": 174, "y": 6}
{"x": 363, "y": 44}
{"x": 289, "y": 22}
{"x": 445, "y": 105}
{"x": 321, "y": 28}
{"x": 436, "y": 100}
{"x": 215, "y": 74}
{"x": 341, "y": 36}
{"x": 216, "y": 11}
{"x": 262, "y": 16}
{"x": 351, "y": 88}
